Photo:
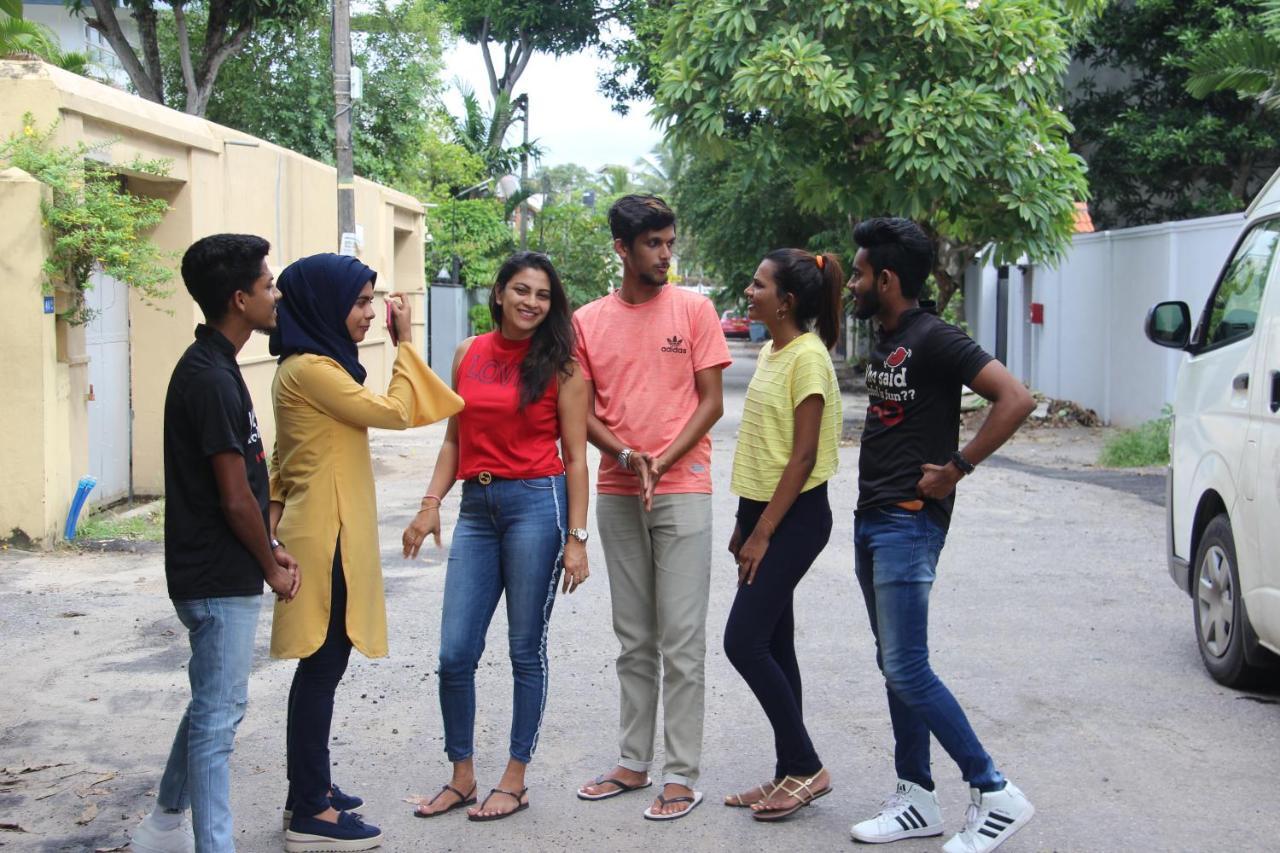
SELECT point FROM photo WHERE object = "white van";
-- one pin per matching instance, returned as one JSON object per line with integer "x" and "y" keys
{"x": 1223, "y": 492}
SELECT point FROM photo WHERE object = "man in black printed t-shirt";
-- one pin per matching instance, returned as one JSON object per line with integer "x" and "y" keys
{"x": 217, "y": 551}
{"x": 908, "y": 467}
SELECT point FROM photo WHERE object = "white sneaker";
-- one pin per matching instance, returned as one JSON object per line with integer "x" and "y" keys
{"x": 911, "y": 812}
{"x": 148, "y": 838}
{"x": 990, "y": 820}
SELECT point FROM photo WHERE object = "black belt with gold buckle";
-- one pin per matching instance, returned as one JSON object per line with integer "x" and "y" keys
{"x": 484, "y": 478}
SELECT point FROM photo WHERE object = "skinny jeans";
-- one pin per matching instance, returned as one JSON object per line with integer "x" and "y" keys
{"x": 759, "y": 638}
{"x": 896, "y": 560}
{"x": 310, "y": 715}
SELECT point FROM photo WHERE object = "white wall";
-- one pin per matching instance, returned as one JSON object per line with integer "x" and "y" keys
{"x": 1091, "y": 348}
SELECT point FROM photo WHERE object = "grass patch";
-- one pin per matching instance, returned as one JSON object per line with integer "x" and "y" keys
{"x": 1139, "y": 448}
{"x": 145, "y": 527}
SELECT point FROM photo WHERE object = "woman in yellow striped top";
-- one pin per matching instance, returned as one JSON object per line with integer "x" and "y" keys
{"x": 787, "y": 450}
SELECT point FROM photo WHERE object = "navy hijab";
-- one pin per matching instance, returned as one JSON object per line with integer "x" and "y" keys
{"x": 317, "y": 295}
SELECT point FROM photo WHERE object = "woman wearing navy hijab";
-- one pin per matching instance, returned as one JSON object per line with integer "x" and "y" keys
{"x": 323, "y": 505}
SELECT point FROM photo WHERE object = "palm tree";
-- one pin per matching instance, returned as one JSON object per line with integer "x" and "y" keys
{"x": 660, "y": 170}
{"x": 484, "y": 135}
{"x": 23, "y": 39}
{"x": 1243, "y": 61}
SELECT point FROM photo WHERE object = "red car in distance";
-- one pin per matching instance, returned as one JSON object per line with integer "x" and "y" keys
{"x": 734, "y": 325}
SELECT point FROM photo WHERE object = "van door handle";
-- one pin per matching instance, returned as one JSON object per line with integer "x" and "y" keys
{"x": 1275, "y": 391}
{"x": 1240, "y": 383}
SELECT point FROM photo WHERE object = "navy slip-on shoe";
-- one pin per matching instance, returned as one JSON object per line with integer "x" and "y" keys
{"x": 340, "y": 800}
{"x": 311, "y": 835}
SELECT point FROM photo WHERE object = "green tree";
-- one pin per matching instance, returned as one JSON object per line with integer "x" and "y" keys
{"x": 940, "y": 110}
{"x": 520, "y": 28}
{"x": 226, "y": 24}
{"x": 483, "y": 135}
{"x": 731, "y": 215}
{"x": 477, "y": 231}
{"x": 577, "y": 240}
{"x": 1155, "y": 152}
{"x": 20, "y": 38}
{"x": 1243, "y": 61}
{"x": 280, "y": 88}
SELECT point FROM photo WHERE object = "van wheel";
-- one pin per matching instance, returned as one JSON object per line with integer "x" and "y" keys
{"x": 1216, "y": 605}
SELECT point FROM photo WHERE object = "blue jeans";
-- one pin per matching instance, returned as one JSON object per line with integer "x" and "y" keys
{"x": 198, "y": 774}
{"x": 896, "y": 558}
{"x": 509, "y": 538}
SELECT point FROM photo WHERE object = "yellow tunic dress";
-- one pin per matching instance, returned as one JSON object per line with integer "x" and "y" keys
{"x": 322, "y": 472}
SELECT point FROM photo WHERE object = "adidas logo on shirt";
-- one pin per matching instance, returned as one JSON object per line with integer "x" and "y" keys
{"x": 674, "y": 345}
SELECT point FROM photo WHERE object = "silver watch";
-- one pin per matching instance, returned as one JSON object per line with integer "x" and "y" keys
{"x": 624, "y": 458}
{"x": 579, "y": 533}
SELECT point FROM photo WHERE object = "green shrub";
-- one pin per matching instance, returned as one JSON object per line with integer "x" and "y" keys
{"x": 93, "y": 219}
{"x": 481, "y": 319}
{"x": 1141, "y": 447}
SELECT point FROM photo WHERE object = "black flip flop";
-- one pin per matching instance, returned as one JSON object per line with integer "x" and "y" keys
{"x": 622, "y": 788}
{"x": 521, "y": 806}
{"x": 463, "y": 800}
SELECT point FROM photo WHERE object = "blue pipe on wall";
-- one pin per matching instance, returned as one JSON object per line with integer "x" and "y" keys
{"x": 83, "y": 488}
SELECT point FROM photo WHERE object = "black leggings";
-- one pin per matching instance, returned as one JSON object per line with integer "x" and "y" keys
{"x": 760, "y": 636}
{"x": 311, "y": 706}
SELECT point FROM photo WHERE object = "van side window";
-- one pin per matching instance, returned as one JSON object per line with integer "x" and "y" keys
{"x": 1234, "y": 310}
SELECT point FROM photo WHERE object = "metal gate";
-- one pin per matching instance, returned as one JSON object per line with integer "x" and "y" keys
{"x": 110, "y": 409}
{"x": 448, "y": 325}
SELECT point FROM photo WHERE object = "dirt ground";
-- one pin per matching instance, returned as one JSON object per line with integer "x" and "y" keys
{"x": 1054, "y": 622}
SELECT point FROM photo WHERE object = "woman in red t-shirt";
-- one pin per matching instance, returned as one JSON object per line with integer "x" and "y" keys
{"x": 522, "y": 519}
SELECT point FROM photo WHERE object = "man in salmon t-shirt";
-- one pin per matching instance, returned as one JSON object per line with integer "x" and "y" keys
{"x": 652, "y": 356}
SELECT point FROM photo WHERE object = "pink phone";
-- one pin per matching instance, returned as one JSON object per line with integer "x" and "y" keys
{"x": 391, "y": 325}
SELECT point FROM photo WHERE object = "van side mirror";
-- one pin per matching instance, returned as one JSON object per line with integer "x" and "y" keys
{"x": 1169, "y": 325}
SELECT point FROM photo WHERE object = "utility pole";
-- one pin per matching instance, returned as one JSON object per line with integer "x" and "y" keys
{"x": 523, "y": 103}
{"x": 342, "y": 120}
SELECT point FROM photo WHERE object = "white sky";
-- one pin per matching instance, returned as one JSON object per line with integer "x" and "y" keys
{"x": 568, "y": 115}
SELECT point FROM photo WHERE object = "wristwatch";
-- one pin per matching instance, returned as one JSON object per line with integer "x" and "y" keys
{"x": 275, "y": 543}
{"x": 579, "y": 533}
{"x": 965, "y": 466}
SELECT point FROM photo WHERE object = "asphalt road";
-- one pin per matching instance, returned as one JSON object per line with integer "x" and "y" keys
{"x": 1053, "y": 621}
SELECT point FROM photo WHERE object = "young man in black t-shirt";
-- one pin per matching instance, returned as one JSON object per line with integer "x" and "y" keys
{"x": 217, "y": 549}
{"x": 908, "y": 467}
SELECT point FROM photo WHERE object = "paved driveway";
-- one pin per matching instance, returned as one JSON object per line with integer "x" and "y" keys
{"x": 1053, "y": 621}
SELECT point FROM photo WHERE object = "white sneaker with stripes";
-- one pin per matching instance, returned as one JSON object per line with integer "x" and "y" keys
{"x": 911, "y": 812}
{"x": 990, "y": 820}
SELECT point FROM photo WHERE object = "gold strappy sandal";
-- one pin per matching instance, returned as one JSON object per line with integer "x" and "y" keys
{"x": 799, "y": 789}
{"x": 766, "y": 788}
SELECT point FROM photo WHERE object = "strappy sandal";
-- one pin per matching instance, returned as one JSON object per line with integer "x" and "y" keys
{"x": 765, "y": 788}
{"x": 521, "y": 805}
{"x": 800, "y": 790}
{"x": 468, "y": 799}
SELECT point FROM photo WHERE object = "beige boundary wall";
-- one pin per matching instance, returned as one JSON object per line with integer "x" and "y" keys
{"x": 220, "y": 180}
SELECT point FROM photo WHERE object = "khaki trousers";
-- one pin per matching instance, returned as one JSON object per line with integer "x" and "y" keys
{"x": 659, "y": 579}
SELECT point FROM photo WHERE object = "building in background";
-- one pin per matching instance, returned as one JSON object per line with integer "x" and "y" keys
{"x": 90, "y": 399}
{"x": 76, "y": 36}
